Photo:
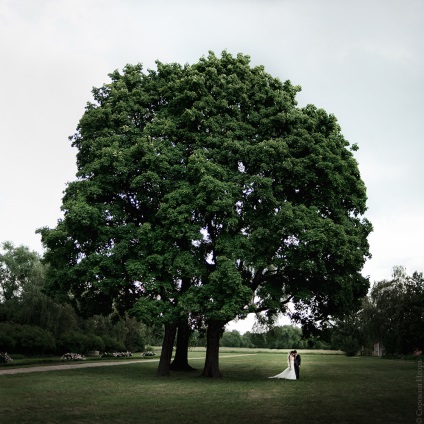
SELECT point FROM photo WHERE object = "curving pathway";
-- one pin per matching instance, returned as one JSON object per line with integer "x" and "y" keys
{"x": 72, "y": 366}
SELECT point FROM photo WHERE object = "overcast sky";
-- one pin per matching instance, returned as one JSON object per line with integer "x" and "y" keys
{"x": 362, "y": 61}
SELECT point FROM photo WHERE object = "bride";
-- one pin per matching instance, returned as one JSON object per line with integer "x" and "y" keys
{"x": 288, "y": 373}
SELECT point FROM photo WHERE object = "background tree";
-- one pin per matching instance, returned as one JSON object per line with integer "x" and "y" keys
{"x": 204, "y": 193}
{"x": 258, "y": 339}
{"x": 276, "y": 337}
{"x": 32, "y": 322}
{"x": 232, "y": 339}
{"x": 348, "y": 334}
{"x": 21, "y": 271}
{"x": 393, "y": 315}
{"x": 390, "y": 314}
{"x": 284, "y": 337}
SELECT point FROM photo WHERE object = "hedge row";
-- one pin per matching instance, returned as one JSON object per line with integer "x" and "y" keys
{"x": 32, "y": 340}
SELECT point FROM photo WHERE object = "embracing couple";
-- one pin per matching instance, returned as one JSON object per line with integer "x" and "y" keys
{"x": 292, "y": 371}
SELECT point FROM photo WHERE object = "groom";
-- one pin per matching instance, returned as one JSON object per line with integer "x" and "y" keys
{"x": 296, "y": 364}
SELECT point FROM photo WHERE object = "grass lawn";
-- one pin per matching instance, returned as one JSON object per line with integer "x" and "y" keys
{"x": 332, "y": 389}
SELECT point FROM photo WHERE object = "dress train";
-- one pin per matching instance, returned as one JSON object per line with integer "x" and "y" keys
{"x": 288, "y": 373}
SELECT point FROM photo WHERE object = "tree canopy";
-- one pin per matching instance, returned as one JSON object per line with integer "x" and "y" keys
{"x": 391, "y": 314}
{"x": 204, "y": 192}
{"x": 21, "y": 271}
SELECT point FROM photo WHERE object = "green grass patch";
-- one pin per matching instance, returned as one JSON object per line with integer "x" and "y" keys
{"x": 332, "y": 389}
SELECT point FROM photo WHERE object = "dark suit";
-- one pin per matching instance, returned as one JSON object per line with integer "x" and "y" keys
{"x": 297, "y": 365}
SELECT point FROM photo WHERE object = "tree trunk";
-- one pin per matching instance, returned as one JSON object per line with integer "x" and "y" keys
{"x": 213, "y": 335}
{"x": 180, "y": 362}
{"x": 167, "y": 346}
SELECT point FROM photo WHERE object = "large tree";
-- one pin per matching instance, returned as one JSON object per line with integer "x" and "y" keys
{"x": 204, "y": 193}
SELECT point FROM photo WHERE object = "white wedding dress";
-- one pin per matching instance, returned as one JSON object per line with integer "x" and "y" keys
{"x": 288, "y": 373}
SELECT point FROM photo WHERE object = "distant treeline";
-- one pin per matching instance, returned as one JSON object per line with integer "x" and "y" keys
{"x": 33, "y": 323}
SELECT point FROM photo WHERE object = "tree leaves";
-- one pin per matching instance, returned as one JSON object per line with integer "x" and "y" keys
{"x": 192, "y": 180}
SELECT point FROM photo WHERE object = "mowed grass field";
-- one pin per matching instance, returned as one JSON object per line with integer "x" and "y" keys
{"x": 331, "y": 389}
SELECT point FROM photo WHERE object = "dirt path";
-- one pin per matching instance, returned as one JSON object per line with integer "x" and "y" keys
{"x": 72, "y": 366}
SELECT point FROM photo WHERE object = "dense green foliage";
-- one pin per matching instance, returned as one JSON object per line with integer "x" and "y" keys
{"x": 33, "y": 340}
{"x": 85, "y": 336}
{"x": 21, "y": 271}
{"x": 32, "y": 323}
{"x": 391, "y": 314}
{"x": 348, "y": 335}
{"x": 278, "y": 337}
{"x": 26, "y": 339}
{"x": 203, "y": 192}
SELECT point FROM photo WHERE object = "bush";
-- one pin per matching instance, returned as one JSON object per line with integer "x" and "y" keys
{"x": 7, "y": 341}
{"x": 350, "y": 345}
{"x": 26, "y": 339}
{"x": 71, "y": 341}
{"x": 112, "y": 345}
{"x": 135, "y": 336}
{"x": 79, "y": 342}
{"x": 93, "y": 342}
{"x": 34, "y": 340}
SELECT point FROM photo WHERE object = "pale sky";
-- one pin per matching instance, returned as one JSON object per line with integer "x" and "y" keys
{"x": 362, "y": 61}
